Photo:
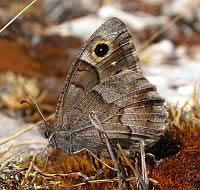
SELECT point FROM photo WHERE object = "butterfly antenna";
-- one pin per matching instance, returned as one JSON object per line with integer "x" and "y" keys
{"x": 35, "y": 107}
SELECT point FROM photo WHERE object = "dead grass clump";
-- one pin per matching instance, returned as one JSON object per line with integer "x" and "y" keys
{"x": 182, "y": 171}
{"x": 185, "y": 121}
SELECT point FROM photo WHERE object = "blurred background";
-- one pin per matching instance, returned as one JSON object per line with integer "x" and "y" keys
{"x": 36, "y": 50}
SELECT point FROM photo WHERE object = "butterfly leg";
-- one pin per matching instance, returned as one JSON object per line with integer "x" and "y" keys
{"x": 153, "y": 160}
{"x": 93, "y": 155}
{"x": 98, "y": 168}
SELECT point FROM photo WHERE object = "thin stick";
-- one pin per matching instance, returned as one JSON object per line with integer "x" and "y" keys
{"x": 87, "y": 182}
{"x": 13, "y": 19}
{"x": 35, "y": 174}
{"x": 98, "y": 181}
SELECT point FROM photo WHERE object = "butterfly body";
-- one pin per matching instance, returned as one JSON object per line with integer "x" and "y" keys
{"x": 106, "y": 78}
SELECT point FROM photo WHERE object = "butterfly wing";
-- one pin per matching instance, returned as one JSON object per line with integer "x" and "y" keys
{"x": 106, "y": 78}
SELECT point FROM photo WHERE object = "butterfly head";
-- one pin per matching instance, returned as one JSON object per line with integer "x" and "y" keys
{"x": 45, "y": 129}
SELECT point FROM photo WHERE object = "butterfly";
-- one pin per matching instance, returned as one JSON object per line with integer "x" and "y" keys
{"x": 106, "y": 78}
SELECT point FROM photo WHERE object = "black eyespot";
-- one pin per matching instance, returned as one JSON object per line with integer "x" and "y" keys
{"x": 101, "y": 50}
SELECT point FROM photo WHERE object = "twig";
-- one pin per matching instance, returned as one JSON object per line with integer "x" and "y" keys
{"x": 35, "y": 174}
{"x": 28, "y": 142}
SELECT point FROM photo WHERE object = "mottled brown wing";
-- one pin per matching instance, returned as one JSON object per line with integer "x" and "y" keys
{"x": 106, "y": 78}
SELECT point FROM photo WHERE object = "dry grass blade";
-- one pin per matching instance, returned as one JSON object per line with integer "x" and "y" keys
{"x": 28, "y": 142}
{"x": 35, "y": 175}
{"x": 126, "y": 159}
{"x": 12, "y": 20}
{"x": 74, "y": 174}
{"x": 17, "y": 134}
{"x": 87, "y": 179}
{"x": 98, "y": 181}
{"x": 5, "y": 152}
{"x": 159, "y": 32}
{"x": 23, "y": 131}
{"x": 165, "y": 28}
{"x": 28, "y": 173}
{"x": 9, "y": 160}
{"x": 136, "y": 173}
{"x": 196, "y": 102}
{"x": 101, "y": 181}
{"x": 189, "y": 111}
{"x": 11, "y": 175}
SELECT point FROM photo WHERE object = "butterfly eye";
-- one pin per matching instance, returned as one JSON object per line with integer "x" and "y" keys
{"x": 101, "y": 50}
